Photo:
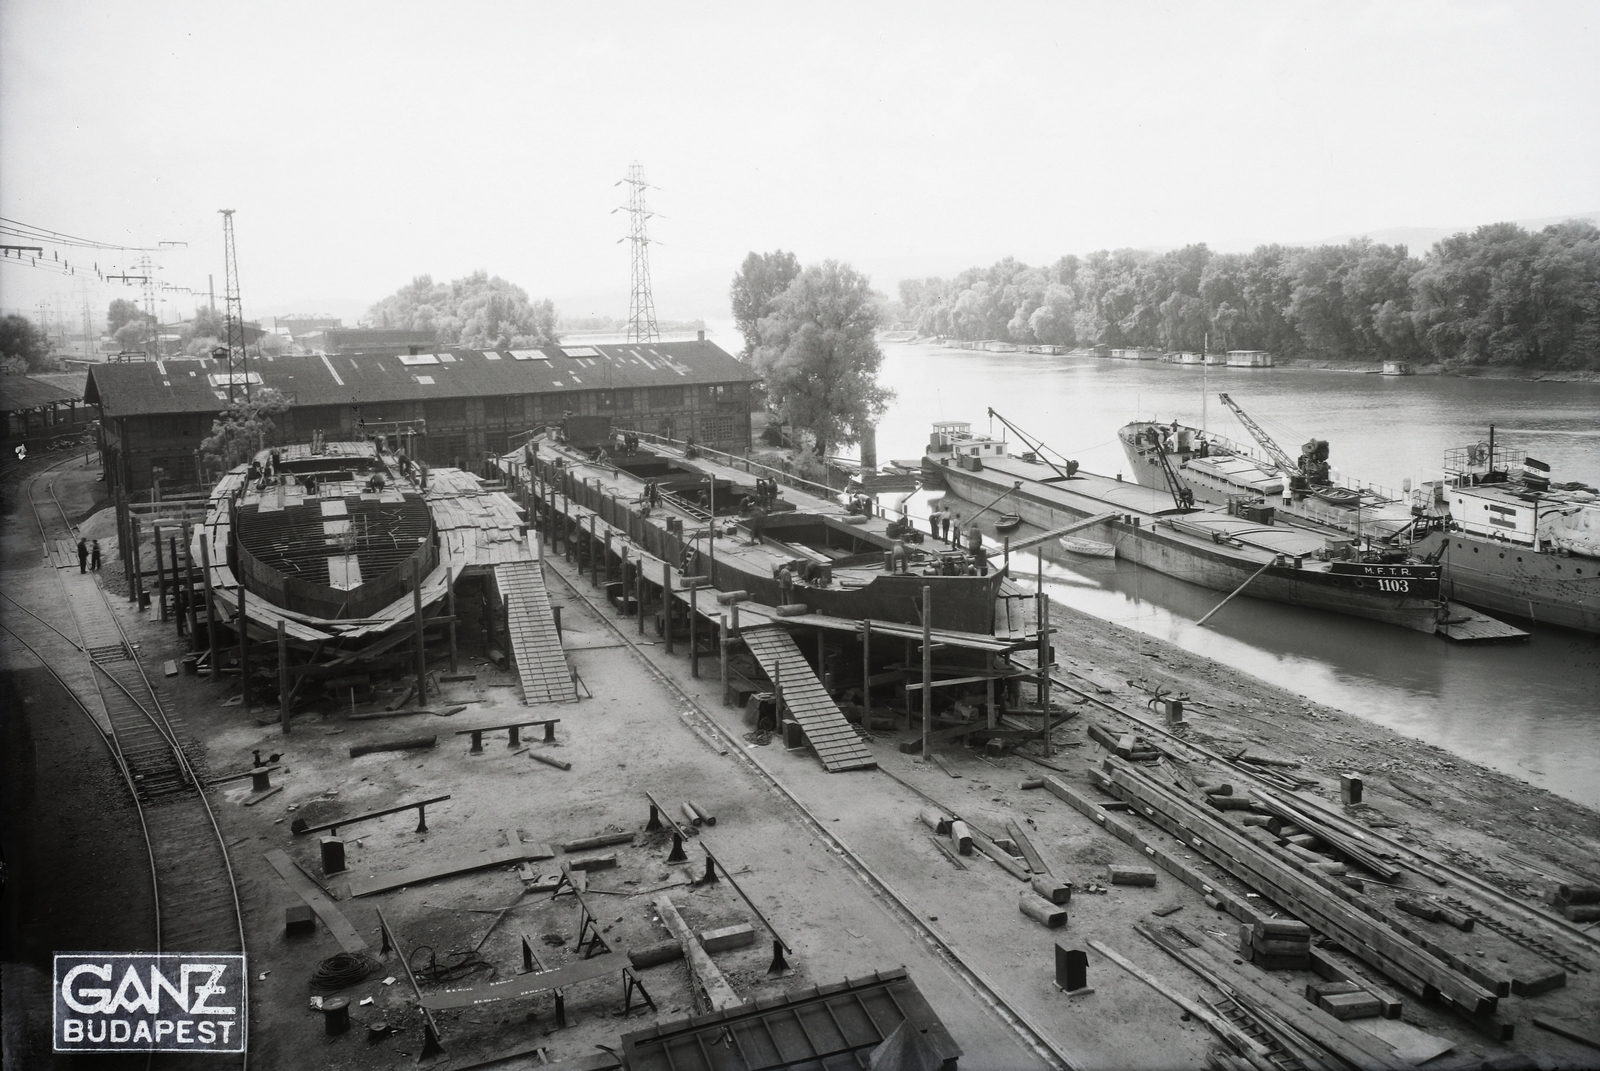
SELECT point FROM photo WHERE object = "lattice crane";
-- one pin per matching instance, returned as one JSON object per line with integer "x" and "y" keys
{"x": 1287, "y": 466}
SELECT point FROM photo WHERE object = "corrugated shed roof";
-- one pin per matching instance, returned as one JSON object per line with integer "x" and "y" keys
{"x": 200, "y": 386}
{"x": 25, "y": 392}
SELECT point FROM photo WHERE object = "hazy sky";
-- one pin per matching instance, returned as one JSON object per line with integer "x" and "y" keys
{"x": 364, "y": 144}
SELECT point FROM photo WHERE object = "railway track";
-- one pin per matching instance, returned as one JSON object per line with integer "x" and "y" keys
{"x": 196, "y": 892}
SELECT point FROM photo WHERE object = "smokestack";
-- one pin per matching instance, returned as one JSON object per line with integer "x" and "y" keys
{"x": 701, "y": 335}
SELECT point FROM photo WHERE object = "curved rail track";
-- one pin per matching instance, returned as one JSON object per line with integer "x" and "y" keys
{"x": 195, "y": 890}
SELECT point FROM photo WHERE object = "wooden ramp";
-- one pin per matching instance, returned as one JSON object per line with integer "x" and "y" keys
{"x": 1057, "y": 533}
{"x": 1463, "y": 624}
{"x": 535, "y": 644}
{"x": 831, "y": 737}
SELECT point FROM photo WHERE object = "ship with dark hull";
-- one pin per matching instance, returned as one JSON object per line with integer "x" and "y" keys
{"x": 797, "y": 548}
{"x": 1238, "y": 551}
{"x": 1514, "y": 543}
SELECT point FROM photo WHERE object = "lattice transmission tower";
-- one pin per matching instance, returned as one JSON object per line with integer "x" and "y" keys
{"x": 642, "y": 305}
{"x": 233, "y": 311}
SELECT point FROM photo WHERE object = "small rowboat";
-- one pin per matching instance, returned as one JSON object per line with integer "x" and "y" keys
{"x": 1088, "y": 548}
{"x": 1007, "y": 522}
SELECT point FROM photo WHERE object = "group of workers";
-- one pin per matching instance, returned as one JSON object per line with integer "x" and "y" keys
{"x": 88, "y": 559}
{"x": 940, "y": 523}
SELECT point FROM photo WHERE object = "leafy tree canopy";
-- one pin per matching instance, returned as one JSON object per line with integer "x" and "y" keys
{"x": 1499, "y": 295}
{"x": 475, "y": 312}
{"x": 819, "y": 357}
{"x": 755, "y": 291}
{"x": 24, "y": 346}
{"x": 244, "y": 428}
{"x": 121, "y": 312}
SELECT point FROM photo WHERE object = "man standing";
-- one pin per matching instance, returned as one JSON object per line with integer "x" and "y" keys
{"x": 94, "y": 559}
{"x": 83, "y": 554}
{"x": 933, "y": 522}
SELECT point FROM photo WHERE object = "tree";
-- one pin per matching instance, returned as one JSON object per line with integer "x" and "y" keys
{"x": 475, "y": 312}
{"x": 24, "y": 346}
{"x": 819, "y": 357}
{"x": 244, "y": 428}
{"x": 134, "y": 334}
{"x": 121, "y": 311}
{"x": 755, "y": 291}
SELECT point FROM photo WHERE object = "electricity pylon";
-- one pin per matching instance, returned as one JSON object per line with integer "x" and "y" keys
{"x": 233, "y": 309}
{"x": 642, "y": 305}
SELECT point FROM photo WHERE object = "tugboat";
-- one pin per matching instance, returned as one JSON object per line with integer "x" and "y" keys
{"x": 1514, "y": 542}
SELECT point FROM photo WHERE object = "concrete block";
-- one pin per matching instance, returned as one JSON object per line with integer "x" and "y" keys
{"x": 298, "y": 921}
{"x": 332, "y": 855}
{"x": 1361, "y": 1005}
{"x": 912, "y": 746}
{"x": 1132, "y": 875}
{"x": 728, "y": 937}
{"x": 1349, "y": 789}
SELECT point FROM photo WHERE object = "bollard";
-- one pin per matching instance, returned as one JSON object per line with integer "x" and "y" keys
{"x": 477, "y": 743}
{"x": 1072, "y": 968}
{"x": 549, "y": 732}
{"x": 260, "y": 780}
{"x": 332, "y": 855}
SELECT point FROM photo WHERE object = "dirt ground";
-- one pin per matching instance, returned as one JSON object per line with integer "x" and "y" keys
{"x": 635, "y": 733}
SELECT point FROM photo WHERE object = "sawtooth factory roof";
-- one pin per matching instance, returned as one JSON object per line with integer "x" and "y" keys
{"x": 187, "y": 385}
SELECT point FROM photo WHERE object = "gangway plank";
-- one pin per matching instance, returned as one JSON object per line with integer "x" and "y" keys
{"x": 832, "y": 737}
{"x": 535, "y": 643}
{"x": 1057, "y": 533}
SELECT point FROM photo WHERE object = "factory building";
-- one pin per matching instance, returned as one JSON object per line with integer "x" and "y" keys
{"x": 449, "y": 407}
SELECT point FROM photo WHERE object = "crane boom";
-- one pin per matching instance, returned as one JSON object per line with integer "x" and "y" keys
{"x": 1286, "y": 465}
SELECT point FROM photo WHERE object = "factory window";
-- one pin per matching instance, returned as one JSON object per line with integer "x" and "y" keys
{"x": 495, "y": 442}
{"x": 447, "y": 411}
{"x": 666, "y": 397}
{"x": 446, "y": 449}
{"x": 712, "y": 394}
{"x": 494, "y": 408}
{"x": 717, "y": 429}
{"x": 623, "y": 399}
{"x": 603, "y": 401}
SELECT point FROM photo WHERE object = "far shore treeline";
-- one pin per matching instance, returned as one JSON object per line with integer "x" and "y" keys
{"x": 1498, "y": 296}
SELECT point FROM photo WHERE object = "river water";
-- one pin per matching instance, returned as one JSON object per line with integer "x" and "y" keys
{"x": 1531, "y": 710}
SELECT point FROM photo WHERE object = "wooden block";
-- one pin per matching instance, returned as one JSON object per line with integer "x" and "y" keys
{"x": 1349, "y": 789}
{"x": 1031, "y": 782}
{"x": 1581, "y": 912}
{"x": 961, "y": 834}
{"x": 1572, "y": 893}
{"x": 1350, "y": 1005}
{"x": 170, "y": 668}
{"x": 1284, "y": 928}
{"x": 1328, "y": 989}
{"x": 299, "y": 920}
{"x": 1231, "y": 803}
{"x": 1255, "y": 819}
{"x": 1419, "y": 908}
{"x": 1281, "y": 962}
{"x": 1052, "y": 889}
{"x": 1276, "y": 946}
{"x": 656, "y": 954}
{"x": 1539, "y": 982}
{"x": 594, "y": 862}
{"x": 728, "y": 937}
{"x": 1132, "y": 875}
{"x": 1041, "y": 910}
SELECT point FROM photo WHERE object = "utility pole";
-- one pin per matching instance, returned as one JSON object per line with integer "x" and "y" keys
{"x": 238, "y": 356}
{"x": 642, "y": 305}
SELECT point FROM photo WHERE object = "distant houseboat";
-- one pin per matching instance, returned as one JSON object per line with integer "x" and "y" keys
{"x": 1397, "y": 368}
{"x": 1249, "y": 359}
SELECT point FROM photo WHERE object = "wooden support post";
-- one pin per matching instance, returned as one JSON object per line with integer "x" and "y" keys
{"x": 927, "y": 673}
{"x": 211, "y": 610}
{"x": 178, "y": 604}
{"x": 422, "y": 650}
{"x": 694, "y": 632}
{"x": 188, "y": 557}
{"x": 1044, "y": 667}
{"x": 639, "y": 583}
{"x": 907, "y": 663}
{"x": 992, "y": 716}
{"x": 668, "y": 603}
{"x": 135, "y": 581}
{"x": 450, "y": 611}
{"x": 594, "y": 552}
{"x": 283, "y": 675}
{"x": 161, "y": 573}
{"x": 241, "y": 625}
{"x": 607, "y": 559}
{"x": 866, "y": 668}
{"x": 722, "y": 649}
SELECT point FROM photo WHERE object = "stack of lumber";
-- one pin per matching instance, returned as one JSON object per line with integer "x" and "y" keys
{"x": 1369, "y": 933}
{"x": 1580, "y": 903}
{"x": 1277, "y": 944}
{"x": 1132, "y": 746}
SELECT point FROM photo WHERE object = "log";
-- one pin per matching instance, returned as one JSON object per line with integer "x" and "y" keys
{"x": 404, "y": 743}
{"x": 934, "y": 820}
{"x": 656, "y": 954}
{"x": 1052, "y": 889}
{"x": 705, "y": 815}
{"x": 961, "y": 834}
{"x": 604, "y": 840}
{"x": 549, "y": 760}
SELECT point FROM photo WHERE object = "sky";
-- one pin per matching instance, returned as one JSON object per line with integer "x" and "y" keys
{"x": 363, "y": 144}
